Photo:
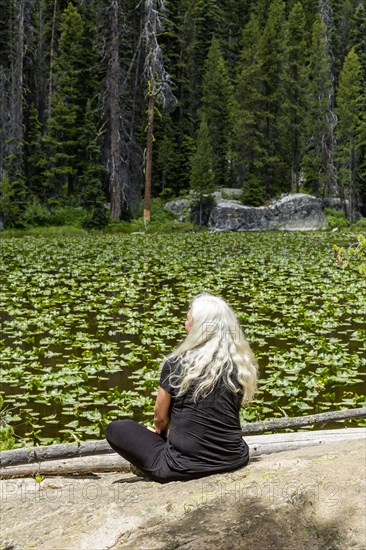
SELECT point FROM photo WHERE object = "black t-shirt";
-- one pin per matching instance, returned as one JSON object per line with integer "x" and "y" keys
{"x": 204, "y": 436}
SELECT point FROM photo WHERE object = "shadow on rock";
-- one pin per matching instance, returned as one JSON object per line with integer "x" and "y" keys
{"x": 226, "y": 523}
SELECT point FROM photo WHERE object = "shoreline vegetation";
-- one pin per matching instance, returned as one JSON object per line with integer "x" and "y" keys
{"x": 75, "y": 221}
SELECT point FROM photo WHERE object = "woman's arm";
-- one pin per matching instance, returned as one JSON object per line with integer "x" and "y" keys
{"x": 161, "y": 412}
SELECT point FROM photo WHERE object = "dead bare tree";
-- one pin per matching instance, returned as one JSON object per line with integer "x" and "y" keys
{"x": 16, "y": 101}
{"x": 12, "y": 89}
{"x": 114, "y": 92}
{"x": 52, "y": 55}
{"x": 158, "y": 85}
{"x": 328, "y": 141}
{"x": 120, "y": 103}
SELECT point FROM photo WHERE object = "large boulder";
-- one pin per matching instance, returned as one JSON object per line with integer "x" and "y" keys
{"x": 297, "y": 212}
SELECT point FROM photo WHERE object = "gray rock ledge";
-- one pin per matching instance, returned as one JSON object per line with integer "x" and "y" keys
{"x": 297, "y": 212}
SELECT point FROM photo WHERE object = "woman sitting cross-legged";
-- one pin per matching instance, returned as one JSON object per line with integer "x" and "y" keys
{"x": 203, "y": 384}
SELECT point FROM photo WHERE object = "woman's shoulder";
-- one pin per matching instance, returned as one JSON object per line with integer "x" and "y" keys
{"x": 169, "y": 368}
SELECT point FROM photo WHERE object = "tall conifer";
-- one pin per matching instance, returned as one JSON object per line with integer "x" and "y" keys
{"x": 247, "y": 142}
{"x": 349, "y": 104}
{"x": 89, "y": 185}
{"x": 274, "y": 171}
{"x": 202, "y": 175}
{"x": 357, "y": 36}
{"x": 318, "y": 163}
{"x": 217, "y": 107}
{"x": 35, "y": 159}
{"x": 296, "y": 84}
{"x": 64, "y": 126}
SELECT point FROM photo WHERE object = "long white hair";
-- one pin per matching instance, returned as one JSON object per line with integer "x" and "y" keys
{"x": 214, "y": 349}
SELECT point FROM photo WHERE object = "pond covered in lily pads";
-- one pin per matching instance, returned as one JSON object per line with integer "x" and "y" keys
{"x": 86, "y": 321}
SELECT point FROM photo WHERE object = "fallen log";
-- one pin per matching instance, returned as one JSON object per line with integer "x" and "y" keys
{"x": 89, "y": 448}
{"x": 301, "y": 421}
{"x": 258, "y": 445}
{"x": 69, "y": 466}
{"x": 54, "y": 452}
{"x": 275, "y": 443}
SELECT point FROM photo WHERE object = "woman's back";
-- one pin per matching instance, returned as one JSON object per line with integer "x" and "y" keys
{"x": 204, "y": 435}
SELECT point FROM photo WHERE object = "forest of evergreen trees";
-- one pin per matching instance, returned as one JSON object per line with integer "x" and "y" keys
{"x": 265, "y": 95}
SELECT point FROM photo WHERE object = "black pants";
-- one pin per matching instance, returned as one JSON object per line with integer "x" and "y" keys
{"x": 144, "y": 449}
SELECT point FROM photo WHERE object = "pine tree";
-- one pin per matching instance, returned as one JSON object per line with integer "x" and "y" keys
{"x": 90, "y": 187}
{"x": 35, "y": 160}
{"x": 357, "y": 39}
{"x": 274, "y": 171}
{"x": 357, "y": 36}
{"x": 318, "y": 162}
{"x": 349, "y": 103}
{"x": 202, "y": 175}
{"x": 65, "y": 123}
{"x": 311, "y": 9}
{"x": 332, "y": 12}
{"x": 13, "y": 198}
{"x": 260, "y": 9}
{"x": 296, "y": 87}
{"x": 217, "y": 107}
{"x": 200, "y": 21}
{"x": 185, "y": 153}
{"x": 234, "y": 17}
{"x": 247, "y": 142}
{"x": 361, "y": 157}
{"x": 206, "y": 23}
{"x": 166, "y": 157}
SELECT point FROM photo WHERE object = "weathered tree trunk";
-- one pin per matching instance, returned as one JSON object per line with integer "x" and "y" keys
{"x": 89, "y": 448}
{"x": 148, "y": 166}
{"x": 83, "y": 465}
{"x": 299, "y": 421}
{"x": 40, "y": 87}
{"x": 54, "y": 452}
{"x": 276, "y": 443}
{"x": 151, "y": 30}
{"x": 15, "y": 140}
{"x": 328, "y": 141}
{"x": 113, "y": 85}
{"x": 258, "y": 445}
